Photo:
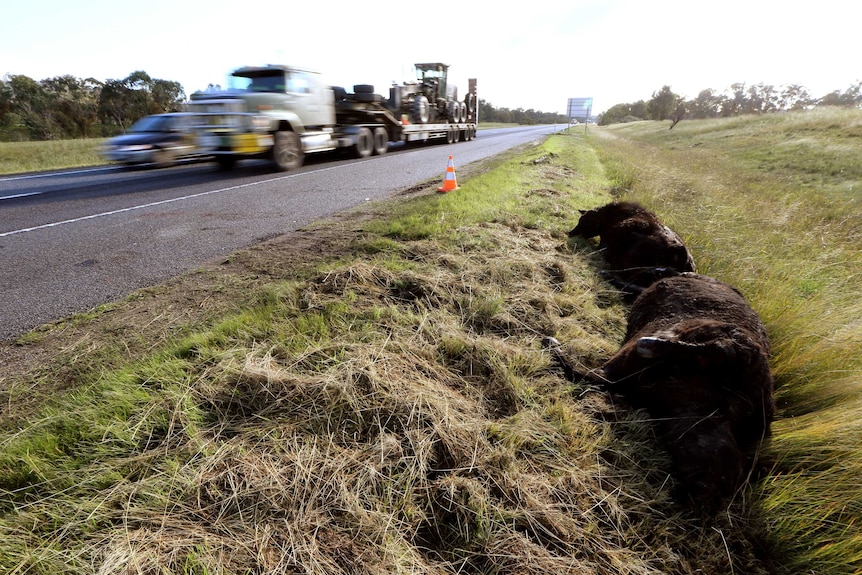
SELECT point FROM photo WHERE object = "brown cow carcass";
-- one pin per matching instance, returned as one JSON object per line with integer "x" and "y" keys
{"x": 637, "y": 246}
{"x": 695, "y": 357}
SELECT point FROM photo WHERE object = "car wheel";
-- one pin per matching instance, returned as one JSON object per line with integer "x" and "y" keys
{"x": 162, "y": 158}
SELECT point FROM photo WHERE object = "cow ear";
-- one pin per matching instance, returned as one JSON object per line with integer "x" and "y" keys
{"x": 583, "y": 211}
{"x": 652, "y": 347}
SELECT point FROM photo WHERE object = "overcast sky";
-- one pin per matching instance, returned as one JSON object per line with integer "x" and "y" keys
{"x": 534, "y": 54}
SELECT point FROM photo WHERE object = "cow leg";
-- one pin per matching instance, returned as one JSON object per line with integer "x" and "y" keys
{"x": 571, "y": 372}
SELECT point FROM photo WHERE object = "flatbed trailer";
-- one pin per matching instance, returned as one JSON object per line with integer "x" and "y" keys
{"x": 285, "y": 113}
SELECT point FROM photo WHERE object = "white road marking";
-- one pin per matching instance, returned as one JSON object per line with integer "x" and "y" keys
{"x": 159, "y": 203}
{"x": 53, "y": 174}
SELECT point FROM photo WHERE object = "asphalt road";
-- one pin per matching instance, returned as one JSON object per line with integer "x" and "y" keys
{"x": 73, "y": 240}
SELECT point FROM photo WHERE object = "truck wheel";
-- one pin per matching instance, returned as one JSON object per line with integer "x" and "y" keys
{"x": 363, "y": 88}
{"x": 421, "y": 110}
{"x": 364, "y": 145}
{"x": 463, "y": 107}
{"x": 381, "y": 141}
{"x": 287, "y": 151}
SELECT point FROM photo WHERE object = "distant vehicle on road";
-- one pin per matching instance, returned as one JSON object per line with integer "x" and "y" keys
{"x": 159, "y": 139}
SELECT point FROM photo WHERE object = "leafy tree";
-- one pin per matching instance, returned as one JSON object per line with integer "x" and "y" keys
{"x": 166, "y": 96}
{"x": 794, "y": 97}
{"x": 113, "y": 100}
{"x": 662, "y": 104}
{"x": 733, "y": 104}
{"x": 74, "y": 106}
{"x": 761, "y": 99}
{"x": 615, "y": 114}
{"x": 125, "y": 101}
{"x": 31, "y": 104}
{"x": 707, "y": 104}
{"x": 638, "y": 110}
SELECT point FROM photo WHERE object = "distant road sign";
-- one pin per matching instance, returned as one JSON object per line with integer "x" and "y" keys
{"x": 580, "y": 108}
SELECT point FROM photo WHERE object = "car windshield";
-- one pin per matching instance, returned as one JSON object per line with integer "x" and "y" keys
{"x": 152, "y": 124}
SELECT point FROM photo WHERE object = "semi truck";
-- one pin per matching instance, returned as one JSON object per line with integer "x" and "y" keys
{"x": 282, "y": 113}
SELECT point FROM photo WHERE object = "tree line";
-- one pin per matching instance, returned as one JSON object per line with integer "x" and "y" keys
{"x": 488, "y": 113}
{"x": 66, "y": 107}
{"x": 737, "y": 100}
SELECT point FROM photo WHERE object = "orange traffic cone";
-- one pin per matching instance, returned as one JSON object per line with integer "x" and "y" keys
{"x": 450, "y": 183}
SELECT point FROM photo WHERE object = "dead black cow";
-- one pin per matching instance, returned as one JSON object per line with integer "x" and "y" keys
{"x": 696, "y": 358}
{"x": 638, "y": 247}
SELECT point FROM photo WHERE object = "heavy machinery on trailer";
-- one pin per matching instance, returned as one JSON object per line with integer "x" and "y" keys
{"x": 283, "y": 113}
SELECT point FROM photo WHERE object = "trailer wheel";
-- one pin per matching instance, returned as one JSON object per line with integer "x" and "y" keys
{"x": 363, "y": 88}
{"x": 364, "y": 145}
{"x": 463, "y": 107}
{"x": 421, "y": 110}
{"x": 287, "y": 151}
{"x": 381, "y": 141}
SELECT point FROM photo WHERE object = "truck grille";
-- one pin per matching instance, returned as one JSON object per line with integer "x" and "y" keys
{"x": 219, "y": 115}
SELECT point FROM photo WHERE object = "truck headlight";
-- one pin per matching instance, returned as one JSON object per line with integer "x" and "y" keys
{"x": 260, "y": 123}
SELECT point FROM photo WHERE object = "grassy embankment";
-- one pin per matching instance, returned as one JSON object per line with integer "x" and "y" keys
{"x": 20, "y": 157}
{"x": 383, "y": 404}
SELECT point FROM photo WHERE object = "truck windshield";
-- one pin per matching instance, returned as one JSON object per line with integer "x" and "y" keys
{"x": 267, "y": 83}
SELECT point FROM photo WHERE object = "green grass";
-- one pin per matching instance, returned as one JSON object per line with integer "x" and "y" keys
{"x": 20, "y": 157}
{"x": 389, "y": 407}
